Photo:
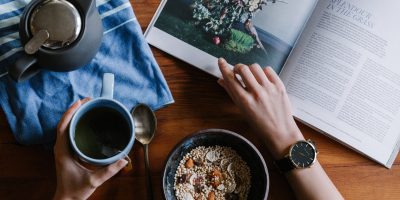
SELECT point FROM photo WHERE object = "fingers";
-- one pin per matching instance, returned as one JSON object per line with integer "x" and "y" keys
{"x": 259, "y": 74}
{"x": 103, "y": 174}
{"x": 247, "y": 76}
{"x": 66, "y": 118}
{"x": 253, "y": 77}
{"x": 61, "y": 147}
{"x": 273, "y": 77}
{"x": 231, "y": 83}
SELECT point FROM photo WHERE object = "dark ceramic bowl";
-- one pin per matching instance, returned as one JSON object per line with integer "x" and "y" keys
{"x": 211, "y": 137}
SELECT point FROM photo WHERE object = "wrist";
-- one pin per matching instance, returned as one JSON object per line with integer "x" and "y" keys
{"x": 281, "y": 144}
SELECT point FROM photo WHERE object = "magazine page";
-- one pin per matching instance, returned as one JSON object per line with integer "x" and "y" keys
{"x": 343, "y": 76}
{"x": 242, "y": 31}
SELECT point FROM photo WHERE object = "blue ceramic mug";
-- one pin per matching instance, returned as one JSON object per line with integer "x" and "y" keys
{"x": 102, "y": 131}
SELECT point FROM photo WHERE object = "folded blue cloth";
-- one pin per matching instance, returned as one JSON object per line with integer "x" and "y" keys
{"x": 34, "y": 107}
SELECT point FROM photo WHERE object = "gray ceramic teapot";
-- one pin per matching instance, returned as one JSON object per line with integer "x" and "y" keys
{"x": 57, "y": 35}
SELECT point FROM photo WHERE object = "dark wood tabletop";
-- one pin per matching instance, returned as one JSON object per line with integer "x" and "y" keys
{"x": 27, "y": 172}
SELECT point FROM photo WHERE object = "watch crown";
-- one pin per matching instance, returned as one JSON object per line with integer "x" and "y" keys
{"x": 313, "y": 143}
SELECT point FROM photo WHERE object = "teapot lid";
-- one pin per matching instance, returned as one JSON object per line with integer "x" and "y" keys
{"x": 60, "y": 19}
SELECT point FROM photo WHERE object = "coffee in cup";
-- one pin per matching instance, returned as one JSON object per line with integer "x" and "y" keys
{"x": 101, "y": 133}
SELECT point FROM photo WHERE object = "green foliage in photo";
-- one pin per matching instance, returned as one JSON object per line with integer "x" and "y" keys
{"x": 217, "y": 16}
{"x": 239, "y": 42}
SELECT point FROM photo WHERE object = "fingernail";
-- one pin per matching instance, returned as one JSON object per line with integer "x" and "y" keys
{"x": 79, "y": 102}
{"x": 221, "y": 60}
{"x": 219, "y": 82}
{"x": 123, "y": 162}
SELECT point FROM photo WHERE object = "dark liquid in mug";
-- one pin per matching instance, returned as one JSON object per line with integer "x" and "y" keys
{"x": 101, "y": 133}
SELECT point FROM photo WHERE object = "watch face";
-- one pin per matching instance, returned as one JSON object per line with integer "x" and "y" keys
{"x": 302, "y": 154}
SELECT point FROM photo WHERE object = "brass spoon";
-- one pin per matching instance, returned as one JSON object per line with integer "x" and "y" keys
{"x": 145, "y": 128}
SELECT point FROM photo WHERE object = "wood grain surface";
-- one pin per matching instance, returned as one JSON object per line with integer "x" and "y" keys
{"x": 27, "y": 172}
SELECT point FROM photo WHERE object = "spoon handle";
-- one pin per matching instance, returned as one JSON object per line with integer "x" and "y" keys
{"x": 148, "y": 175}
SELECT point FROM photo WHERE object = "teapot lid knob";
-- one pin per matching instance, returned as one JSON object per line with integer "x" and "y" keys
{"x": 60, "y": 18}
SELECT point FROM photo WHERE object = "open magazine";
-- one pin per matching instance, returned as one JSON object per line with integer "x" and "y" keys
{"x": 337, "y": 58}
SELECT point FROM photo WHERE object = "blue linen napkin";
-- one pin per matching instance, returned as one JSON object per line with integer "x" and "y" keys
{"x": 34, "y": 107}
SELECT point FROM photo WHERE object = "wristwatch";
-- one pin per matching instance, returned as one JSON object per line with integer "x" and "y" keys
{"x": 302, "y": 154}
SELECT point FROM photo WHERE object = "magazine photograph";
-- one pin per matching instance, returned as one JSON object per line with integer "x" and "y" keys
{"x": 252, "y": 31}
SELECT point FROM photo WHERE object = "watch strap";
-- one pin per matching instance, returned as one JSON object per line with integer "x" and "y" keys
{"x": 284, "y": 165}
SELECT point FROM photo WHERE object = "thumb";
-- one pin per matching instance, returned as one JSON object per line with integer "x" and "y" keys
{"x": 102, "y": 175}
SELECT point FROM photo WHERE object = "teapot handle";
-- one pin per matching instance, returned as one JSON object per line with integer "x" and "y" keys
{"x": 24, "y": 68}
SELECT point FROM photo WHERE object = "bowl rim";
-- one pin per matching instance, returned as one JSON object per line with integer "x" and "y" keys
{"x": 222, "y": 131}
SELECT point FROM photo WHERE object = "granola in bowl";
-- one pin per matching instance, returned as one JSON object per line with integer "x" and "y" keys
{"x": 212, "y": 173}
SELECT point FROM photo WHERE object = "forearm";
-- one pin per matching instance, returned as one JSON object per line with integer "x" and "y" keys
{"x": 309, "y": 183}
{"x": 312, "y": 183}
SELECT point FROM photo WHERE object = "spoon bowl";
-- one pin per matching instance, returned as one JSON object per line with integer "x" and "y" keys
{"x": 145, "y": 123}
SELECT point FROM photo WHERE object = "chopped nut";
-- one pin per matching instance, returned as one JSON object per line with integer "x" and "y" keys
{"x": 198, "y": 162}
{"x": 217, "y": 173}
{"x": 231, "y": 187}
{"x": 211, "y": 195}
{"x": 200, "y": 197}
{"x": 215, "y": 178}
{"x": 212, "y": 156}
{"x": 224, "y": 164}
{"x": 189, "y": 163}
{"x": 221, "y": 187}
{"x": 198, "y": 180}
{"x": 182, "y": 179}
{"x": 230, "y": 170}
{"x": 215, "y": 183}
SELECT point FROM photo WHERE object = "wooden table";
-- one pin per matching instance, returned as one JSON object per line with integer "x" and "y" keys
{"x": 29, "y": 173}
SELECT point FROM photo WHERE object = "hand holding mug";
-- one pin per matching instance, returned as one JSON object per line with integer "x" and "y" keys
{"x": 74, "y": 180}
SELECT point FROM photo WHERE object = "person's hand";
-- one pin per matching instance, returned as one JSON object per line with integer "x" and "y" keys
{"x": 73, "y": 180}
{"x": 264, "y": 102}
